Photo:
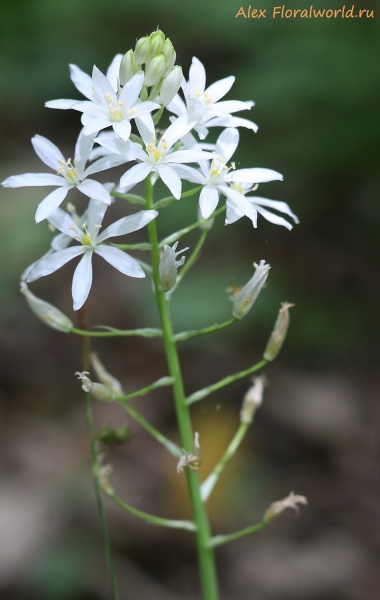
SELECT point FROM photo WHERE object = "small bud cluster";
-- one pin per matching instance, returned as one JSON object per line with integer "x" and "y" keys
{"x": 158, "y": 55}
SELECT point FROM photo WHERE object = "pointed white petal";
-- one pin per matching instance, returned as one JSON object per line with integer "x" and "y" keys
{"x": 51, "y": 203}
{"x": 188, "y": 156}
{"x": 61, "y": 220}
{"x": 60, "y": 241}
{"x": 276, "y": 204}
{"x": 131, "y": 90}
{"x": 229, "y": 106}
{"x": 123, "y": 129}
{"x": 94, "y": 189}
{"x": 85, "y": 119}
{"x": 95, "y": 125}
{"x": 106, "y": 162}
{"x": 121, "y": 261}
{"x": 178, "y": 129}
{"x": 171, "y": 180}
{"x": 82, "y": 280}
{"x": 113, "y": 143}
{"x": 227, "y": 143}
{"x": 197, "y": 78}
{"x": 208, "y": 201}
{"x": 82, "y": 151}
{"x": 33, "y": 179}
{"x": 82, "y": 82}
{"x": 53, "y": 262}
{"x": 233, "y": 212}
{"x": 256, "y": 175}
{"x": 273, "y": 218}
{"x": 230, "y": 121}
{"x": 94, "y": 109}
{"x": 136, "y": 174}
{"x": 177, "y": 106}
{"x": 220, "y": 88}
{"x": 62, "y": 104}
{"x": 189, "y": 174}
{"x": 241, "y": 202}
{"x": 128, "y": 224}
{"x": 145, "y": 126}
{"x": 102, "y": 87}
{"x": 143, "y": 108}
{"x": 48, "y": 152}
{"x": 27, "y": 271}
{"x": 95, "y": 215}
{"x": 113, "y": 71}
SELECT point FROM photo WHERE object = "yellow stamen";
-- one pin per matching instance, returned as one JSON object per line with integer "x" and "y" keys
{"x": 131, "y": 111}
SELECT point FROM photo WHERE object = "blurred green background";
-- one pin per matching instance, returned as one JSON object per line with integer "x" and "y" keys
{"x": 316, "y": 86}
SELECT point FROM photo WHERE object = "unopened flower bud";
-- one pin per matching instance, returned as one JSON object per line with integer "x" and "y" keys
{"x": 157, "y": 39}
{"x": 104, "y": 377}
{"x": 252, "y": 399}
{"x": 47, "y": 312}
{"x": 276, "y": 508}
{"x": 97, "y": 390}
{"x": 247, "y": 296}
{"x": 128, "y": 67}
{"x": 171, "y": 85}
{"x": 155, "y": 70}
{"x": 278, "y": 334}
{"x": 142, "y": 50}
{"x": 169, "y": 54}
{"x": 169, "y": 265}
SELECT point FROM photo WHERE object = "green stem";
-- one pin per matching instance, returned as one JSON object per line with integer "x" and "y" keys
{"x": 187, "y": 335}
{"x": 94, "y": 460}
{"x": 226, "y": 381}
{"x": 169, "y": 199}
{"x": 132, "y": 198}
{"x": 178, "y": 234}
{"x": 203, "y": 534}
{"x": 209, "y": 483}
{"x": 174, "y": 524}
{"x": 218, "y": 540}
{"x": 147, "y": 332}
{"x": 142, "y": 246}
{"x": 142, "y": 391}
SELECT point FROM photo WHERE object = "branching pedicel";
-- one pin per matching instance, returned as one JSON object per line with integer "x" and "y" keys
{"x": 135, "y": 91}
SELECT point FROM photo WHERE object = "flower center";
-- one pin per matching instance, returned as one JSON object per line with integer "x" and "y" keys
{"x": 218, "y": 170}
{"x": 154, "y": 153}
{"x": 115, "y": 111}
{"x": 68, "y": 170}
{"x": 205, "y": 96}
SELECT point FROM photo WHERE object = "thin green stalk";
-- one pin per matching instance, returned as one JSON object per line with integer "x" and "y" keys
{"x": 147, "y": 332}
{"x": 178, "y": 234}
{"x": 142, "y": 246}
{"x": 142, "y": 391}
{"x": 205, "y": 554}
{"x": 223, "y": 382}
{"x": 170, "y": 446}
{"x": 94, "y": 459}
{"x": 218, "y": 540}
{"x": 174, "y": 524}
{"x": 169, "y": 199}
{"x": 187, "y": 335}
{"x": 209, "y": 483}
{"x": 132, "y": 198}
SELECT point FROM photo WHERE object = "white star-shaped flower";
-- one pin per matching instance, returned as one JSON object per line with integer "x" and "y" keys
{"x": 158, "y": 158}
{"x": 217, "y": 178}
{"x": 70, "y": 174}
{"x": 91, "y": 241}
{"x": 203, "y": 106}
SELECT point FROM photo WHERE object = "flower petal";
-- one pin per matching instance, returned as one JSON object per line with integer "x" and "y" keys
{"x": 94, "y": 189}
{"x": 273, "y": 218}
{"x": 208, "y": 201}
{"x": 128, "y": 224}
{"x": 33, "y": 179}
{"x": 49, "y": 264}
{"x": 61, "y": 104}
{"x": 276, "y": 204}
{"x": 189, "y": 174}
{"x": 82, "y": 280}
{"x": 233, "y": 212}
{"x": 47, "y": 152}
{"x": 177, "y": 130}
{"x": 123, "y": 129}
{"x": 64, "y": 222}
{"x": 131, "y": 90}
{"x": 82, "y": 82}
{"x": 102, "y": 87}
{"x": 120, "y": 260}
{"x": 145, "y": 126}
{"x": 95, "y": 215}
{"x": 51, "y": 203}
{"x": 106, "y": 162}
{"x": 177, "y": 106}
{"x": 82, "y": 151}
{"x": 144, "y": 108}
{"x": 230, "y": 121}
{"x": 227, "y": 143}
{"x": 112, "y": 73}
{"x": 188, "y": 156}
{"x": 94, "y": 109}
{"x": 136, "y": 174}
{"x": 96, "y": 125}
{"x": 256, "y": 175}
{"x": 197, "y": 78}
{"x": 171, "y": 180}
{"x": 220, "y": 88}
{"x": 241, "y": 202}
{"x": 229, "y": 106}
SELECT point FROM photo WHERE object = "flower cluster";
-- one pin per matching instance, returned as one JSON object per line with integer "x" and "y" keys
{"x": 135, "y": 90}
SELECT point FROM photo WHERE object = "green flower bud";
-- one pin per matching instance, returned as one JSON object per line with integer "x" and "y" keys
{"x": 157, "y": 39}
{"x": 97, "y": 390}
{"x": 155, "y": 70}
{"x": 171, "y": 85}
{"x": 142, "y": 50}
{"x": 247, "y": 296}
{"x": 279, "y": 332}
{"x": 169, "y": 54}
{"x": 128, "y": 67}
{"x": 50, "y": 315}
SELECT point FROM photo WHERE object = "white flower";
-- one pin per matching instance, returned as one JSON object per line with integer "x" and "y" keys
{"x": 203, "y": 106}
{"x": 114, "y": 108}
{"x": 158, "y": 157}
{"x": 70, "y": 174}
{"x": 89, "y": 242}
{"x": 169, "y": 265}
{"x": 83, "y": 83}
{"x": 217, "y": 178}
